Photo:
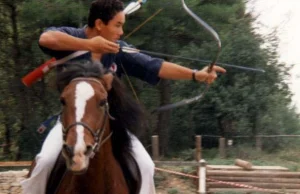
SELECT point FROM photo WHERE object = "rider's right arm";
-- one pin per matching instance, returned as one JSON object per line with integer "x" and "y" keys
{"x": 61, "y": 41}
{"x": 49, "y": 42}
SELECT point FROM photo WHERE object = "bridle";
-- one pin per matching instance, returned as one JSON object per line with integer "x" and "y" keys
{"x": 98, "y": 135}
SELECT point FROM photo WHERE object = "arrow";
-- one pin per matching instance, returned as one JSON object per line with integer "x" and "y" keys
{"x": 133, "y": 50}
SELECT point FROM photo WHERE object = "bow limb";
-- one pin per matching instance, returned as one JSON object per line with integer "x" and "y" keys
{"x": 207, "y": 28}
{"x": 211, "y": 65}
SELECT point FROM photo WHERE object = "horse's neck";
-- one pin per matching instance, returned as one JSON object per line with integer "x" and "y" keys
{"x": 104, "y": 156}
{"x": 104, "y": 169}
{"x": 104, "y": 159}
{"x": 104, "y": 174}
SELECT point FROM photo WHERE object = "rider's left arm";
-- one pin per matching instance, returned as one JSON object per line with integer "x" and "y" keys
{"x": 173, "y": 71}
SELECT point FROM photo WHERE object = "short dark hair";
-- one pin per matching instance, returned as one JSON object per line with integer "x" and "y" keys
{"x": 104, "y": 10}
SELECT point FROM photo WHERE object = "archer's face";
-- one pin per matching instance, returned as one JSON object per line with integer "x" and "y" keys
{"x": 114, "y": 29}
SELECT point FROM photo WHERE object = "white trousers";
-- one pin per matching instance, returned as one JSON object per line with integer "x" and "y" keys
{"x": 51, "y": 148}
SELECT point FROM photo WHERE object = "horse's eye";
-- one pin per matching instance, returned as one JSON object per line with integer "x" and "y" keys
{"x": 102, "y": 103}
{"x": 62, "y": 101}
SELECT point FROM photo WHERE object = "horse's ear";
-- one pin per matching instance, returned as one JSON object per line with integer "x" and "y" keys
{"x": 107, "y": 80}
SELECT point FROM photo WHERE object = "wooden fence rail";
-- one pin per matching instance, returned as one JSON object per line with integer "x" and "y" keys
{"x": 15, "y": 164}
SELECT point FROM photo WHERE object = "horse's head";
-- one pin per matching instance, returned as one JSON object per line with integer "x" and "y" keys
{"x": 84, "y": 118}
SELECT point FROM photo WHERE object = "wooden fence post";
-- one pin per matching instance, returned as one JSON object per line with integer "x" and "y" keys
{"x": 155, "y": 147}
{"x": 202, "y": 177}
{"x": 222, "y": 145}
{"x": 198, "y": 144}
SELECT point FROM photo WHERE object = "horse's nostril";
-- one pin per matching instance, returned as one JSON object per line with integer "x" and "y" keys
{"x": 68, "y": 150}
{"x": 89, "y": 150}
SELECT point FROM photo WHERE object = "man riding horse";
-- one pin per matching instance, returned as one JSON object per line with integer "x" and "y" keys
{"x": 101, "y": 37}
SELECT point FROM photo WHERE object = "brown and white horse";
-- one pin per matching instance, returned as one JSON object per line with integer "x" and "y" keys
{"x": 96, "y": 149}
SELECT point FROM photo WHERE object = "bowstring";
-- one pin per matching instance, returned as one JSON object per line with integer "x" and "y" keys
{"x": 126, "y": 37}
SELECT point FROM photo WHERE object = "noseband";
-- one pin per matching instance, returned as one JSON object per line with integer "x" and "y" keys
{"x": 98, "y": 135}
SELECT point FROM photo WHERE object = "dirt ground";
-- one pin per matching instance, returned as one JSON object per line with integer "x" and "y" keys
{"x": 174, "y": 184}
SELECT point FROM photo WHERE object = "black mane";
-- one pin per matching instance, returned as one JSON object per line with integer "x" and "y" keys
{"x": 128, "y": 114}
{"x": 73, "y": 69}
